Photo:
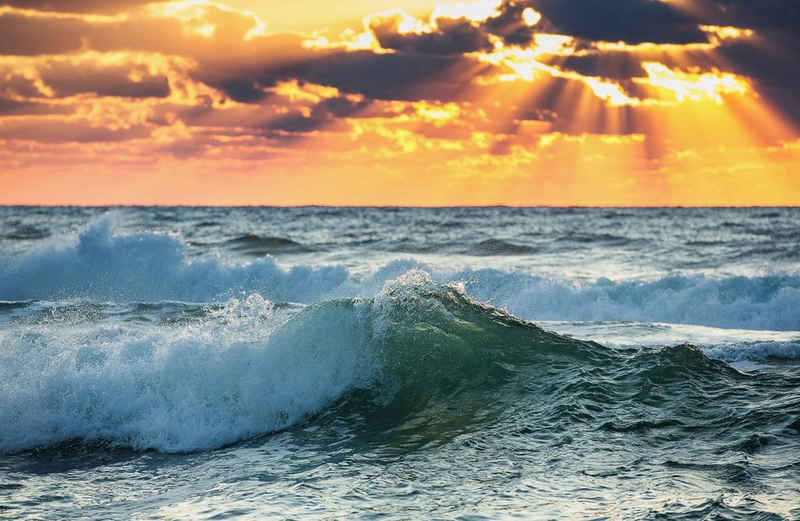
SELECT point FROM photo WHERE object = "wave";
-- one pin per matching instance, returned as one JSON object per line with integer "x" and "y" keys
{"x": 499, "y": 247}
{"x": 420, "y": 356}
{"x": 755, "y": 351}
{"x": 100, "y": 264}
{"x": 767, "y": 302}
{"x": 257, "y": 245}
{"x": 245, "y": 371}
{"x": 26, "y": 232}
{"x": 248, "y": 369}
{"x": 151, "y": 267}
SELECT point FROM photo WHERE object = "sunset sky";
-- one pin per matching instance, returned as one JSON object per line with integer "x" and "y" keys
{"x": 415, "y": 102}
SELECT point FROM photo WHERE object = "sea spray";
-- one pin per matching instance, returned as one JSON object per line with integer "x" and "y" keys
{"x": 241, "y": 371}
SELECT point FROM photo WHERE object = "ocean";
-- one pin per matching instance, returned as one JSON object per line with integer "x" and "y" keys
{"x": 400, "y": 363}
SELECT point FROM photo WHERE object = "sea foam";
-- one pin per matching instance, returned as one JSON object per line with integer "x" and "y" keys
{"x": 151, "y": 267}
{"x": 245, "y": 370}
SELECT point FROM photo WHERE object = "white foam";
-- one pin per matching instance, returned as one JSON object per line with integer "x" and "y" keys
{"x": 244, "y": 371}
{"x": 151, "y": 267}
{"x": 766, "y": 303}
{"x": 738, "y": 346}
{"x": 755, "y": 351}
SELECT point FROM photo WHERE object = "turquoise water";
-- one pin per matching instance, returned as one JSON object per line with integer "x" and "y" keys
{"x": 321, "y": 363}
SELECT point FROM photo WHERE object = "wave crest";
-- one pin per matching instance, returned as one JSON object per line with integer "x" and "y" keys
{"x": 152, "y": 267}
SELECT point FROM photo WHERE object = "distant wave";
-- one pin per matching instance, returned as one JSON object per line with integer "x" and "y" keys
{"x": 26, "y": 232}
{"x": 256, "y": 245}
{"x": 755, "y": 351}
{"x": 500, "y": 247}
{"x": 253, "y": 244}
{"x": 151, "y": 267}
{"x": 767, "y": 302}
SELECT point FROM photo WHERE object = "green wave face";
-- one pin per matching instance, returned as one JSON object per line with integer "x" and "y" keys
{"x": 451, "y": 366}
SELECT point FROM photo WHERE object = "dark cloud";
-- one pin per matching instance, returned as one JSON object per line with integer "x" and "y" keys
{"x": 78, "y": 6}
{"x": 241, "y": 90}
{"x": 325, "y": 114}
{"x": 509, "y": 25}
{"x": 340, "y": 107}
{"x": 57, "y": 35}
{"x": 452, "y": 36}
{"x": 631, "y": 21}
{"x": 65, "y": 131}
{"x": 69, "y": 79}
{"x": 15, "y": 85}
{"x": 761, "y": 14}
{"x": 11, "y": 107}
{"x": 276, "y": 114}
{"x": 608, "y": 64}
{"x": 53, "y": 36}
{"x": 408, "y": 77}
{"x": 773, "y": 68}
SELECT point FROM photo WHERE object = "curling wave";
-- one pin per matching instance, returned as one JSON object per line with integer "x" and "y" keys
{"x": 419, "y": 353}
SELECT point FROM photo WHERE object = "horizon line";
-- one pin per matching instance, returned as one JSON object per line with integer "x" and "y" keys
{"x": 403, "y": 206}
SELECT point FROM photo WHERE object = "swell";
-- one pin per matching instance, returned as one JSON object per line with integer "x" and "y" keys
{"x": 491, "y": 247}
{"x": 419, "y": 355}
{"x": 255, "y": 245}
{"x": 251, "y": 367}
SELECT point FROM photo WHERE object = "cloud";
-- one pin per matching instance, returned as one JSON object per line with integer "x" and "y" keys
{"x": 56, "y": 78}
{"x": 763, "y": 14}
{"x": 449, "y": 36}
{"x": 631, "y": 21}
{"x": 510, "y": 26}
{"x": 78, "y": 6}
{"x": 11, "y": 107}
{"x": 124, "y": 80}
{"x": 61, "y": 130}
{"x": 198, "y": 34}
{"x": 387, "y": 76}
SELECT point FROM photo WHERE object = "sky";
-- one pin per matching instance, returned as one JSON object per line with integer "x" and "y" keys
{"x": 405, "y": 102}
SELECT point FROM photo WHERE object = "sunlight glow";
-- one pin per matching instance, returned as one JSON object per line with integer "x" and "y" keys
{"x": 531, "y": 17}
{"x": 478, "y": 11}
{"x": 727, "y": 33}
{"x": 693, "y": 86}
{"x": 437, "y": 113}
{"x": 195, "y": 15}
{"x": 308, "y": 92}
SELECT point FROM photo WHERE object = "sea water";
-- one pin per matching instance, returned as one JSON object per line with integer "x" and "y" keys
{"x": 399, "y": 363}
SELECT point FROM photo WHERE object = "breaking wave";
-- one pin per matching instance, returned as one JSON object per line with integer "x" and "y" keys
{"x": 419, "y": 352}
